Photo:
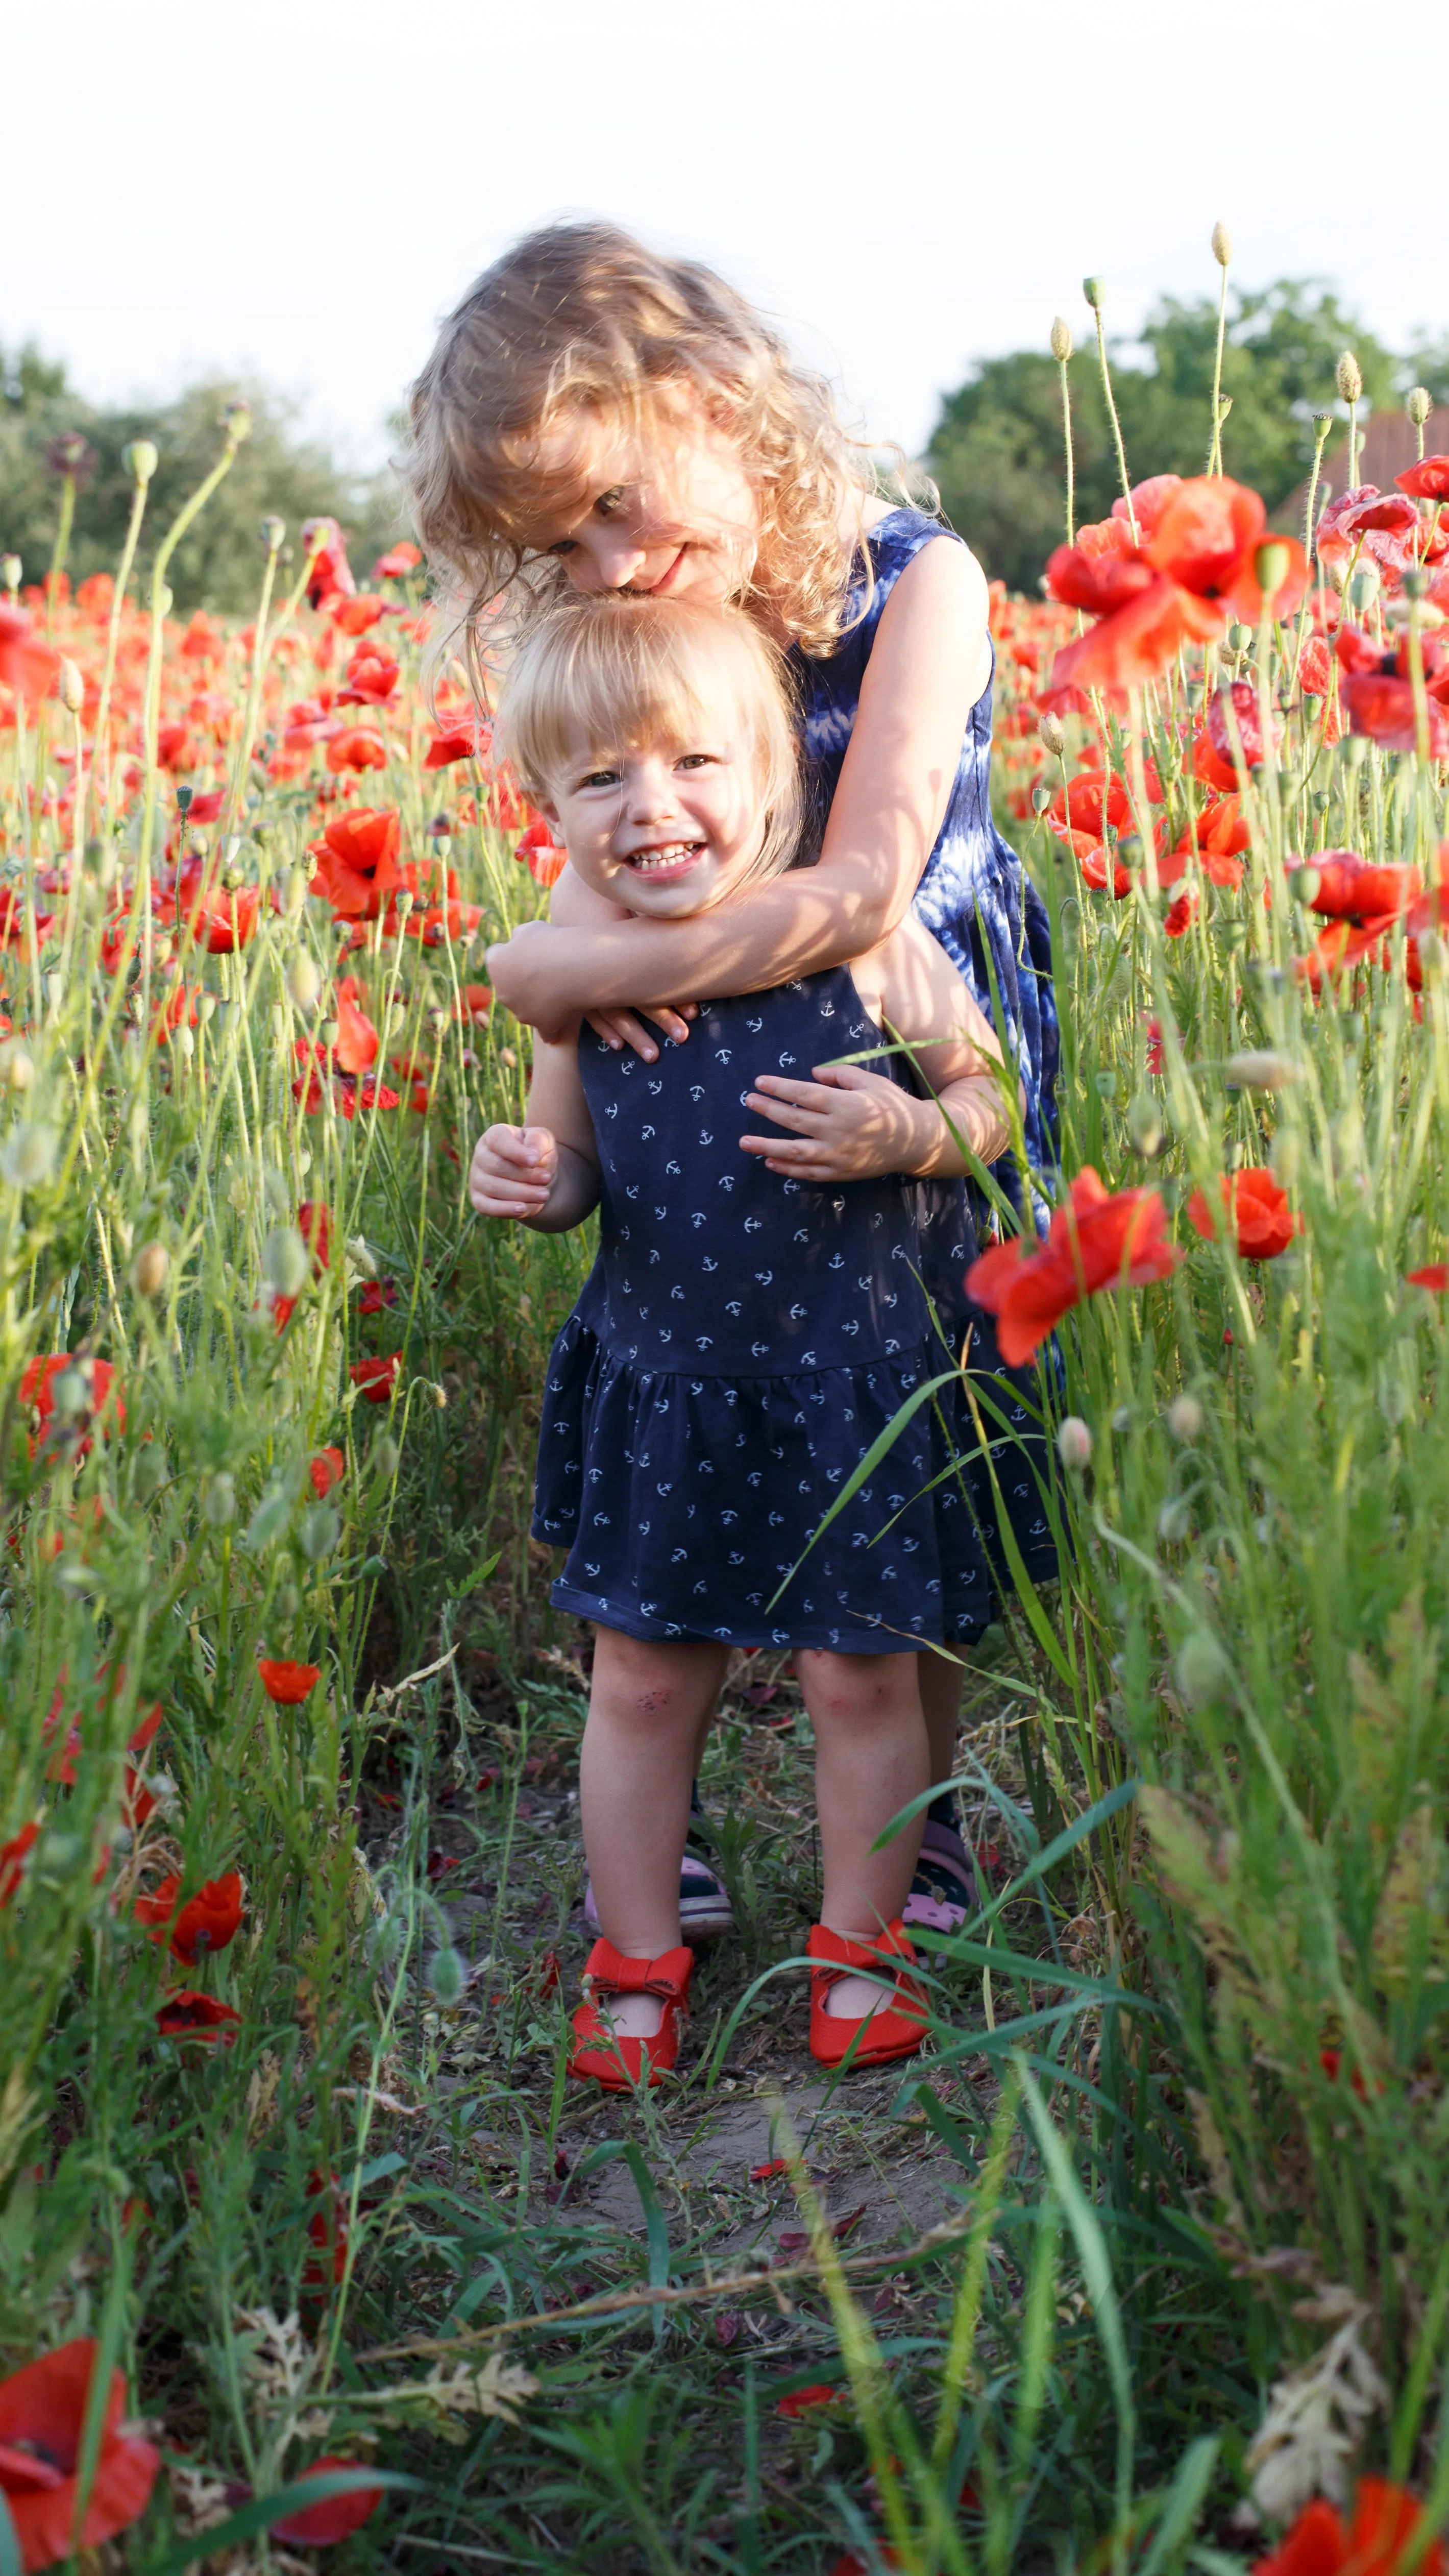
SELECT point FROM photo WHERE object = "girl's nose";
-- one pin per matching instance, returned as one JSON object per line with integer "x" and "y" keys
{"x": 618, "y": 564}
{"x": 649, "y": 790}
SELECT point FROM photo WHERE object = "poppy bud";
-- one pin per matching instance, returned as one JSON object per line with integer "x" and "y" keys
{"x": 1201, "y": 1670}
{"x": 1350, "y": 377}
{"x": 1061, "y": 341}
{"x": 1260, "y": 1069}
{"x": 1174, "y": 1521}
{"x": 1041, "y": 797}
{"x": 1415, "y": 583}
{"x": 1418, "y": 403}
{"x": 273, "y": 531}
{"x": 1144, "y": 1124}
{"x": 1184, "y": 1414}
{"x": 304, "y": 983}
{"x": 11, "y": 569}
{"x": 386, "y": 1457}
{"x": 1222, "y": 245}
{"x": 29, "y": 1156}
{"x": 219, "y": 1505}
{"x": 1225, "y": 404}
{"x": 1239, "y": 637}
{"x": 140, "y": 460}
{"x": 294, "y": 893}
{"x": 1074, "y": 1444}
{"x": 17, "y": 1066}
{"x": 1094, "y": 291}
{"x": 1304, "y": 883}
{"x": 1270, "y": 568}
{"x": 329, "y": 1032}
{"x": 447, "y": 1975}
{"x": 165, "y": 599}
{"x": 1363, "y": 590}
{"x": 236, "y": 420}
{"x": 404, "y": 902}
{"x": 320, "y": 1531}
{"x": 72, "y": 689}
{"x": 1286, "y": 1155}
{"x": 1050, "y": 735}
{"x": 285, "y": 1261}
{"x": 150, "y": 1269}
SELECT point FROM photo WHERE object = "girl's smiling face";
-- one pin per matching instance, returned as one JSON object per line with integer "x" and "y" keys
{"x": 662, "y": 829}
{"x": 668, "y": 511}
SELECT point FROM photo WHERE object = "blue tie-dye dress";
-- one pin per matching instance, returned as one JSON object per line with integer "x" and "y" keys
{"x": 974, "y": 896}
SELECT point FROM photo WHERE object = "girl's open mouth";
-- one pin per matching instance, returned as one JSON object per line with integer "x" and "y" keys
{"x": 672, "y": 859}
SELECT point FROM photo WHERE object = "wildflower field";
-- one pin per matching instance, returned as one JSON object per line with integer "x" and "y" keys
{"x": 305, "y": 2244}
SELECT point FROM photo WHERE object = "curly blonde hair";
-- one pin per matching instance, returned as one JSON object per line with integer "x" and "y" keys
{"x": 582, "y": 318}
{"x": 620, "y": 672}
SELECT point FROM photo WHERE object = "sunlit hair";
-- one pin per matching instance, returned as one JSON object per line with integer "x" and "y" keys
{"x": 581, "y": 319}
{"x": 620, "y": 674}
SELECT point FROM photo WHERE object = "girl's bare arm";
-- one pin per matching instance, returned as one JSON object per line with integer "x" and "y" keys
{"x": 544, "y": 1174}
{"x": 929, "y": 665}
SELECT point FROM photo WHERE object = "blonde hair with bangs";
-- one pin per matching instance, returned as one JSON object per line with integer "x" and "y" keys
{"x": 618, "y": 673}
{"x": 582, "y": 318}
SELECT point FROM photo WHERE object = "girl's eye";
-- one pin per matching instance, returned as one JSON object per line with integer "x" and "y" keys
{"x": 565, "y": 546}
{"x": 600, "y": 778}
{"x": 610, "y": 501}
{"x": 694, "y": 760}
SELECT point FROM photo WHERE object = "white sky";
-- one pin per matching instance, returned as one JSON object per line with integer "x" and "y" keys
{"x": 301, "y": 187}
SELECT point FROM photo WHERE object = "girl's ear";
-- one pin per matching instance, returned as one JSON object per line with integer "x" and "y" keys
{"x": 551, "y": 817}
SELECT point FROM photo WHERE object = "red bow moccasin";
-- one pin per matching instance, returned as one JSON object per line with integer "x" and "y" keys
{"x": 898, "y": 2025}
{"x": 610, "y": 2056}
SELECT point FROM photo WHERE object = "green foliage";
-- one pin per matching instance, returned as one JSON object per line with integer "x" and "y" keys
{"x": 218, "y": 563}
{"x": 996, "y": 452}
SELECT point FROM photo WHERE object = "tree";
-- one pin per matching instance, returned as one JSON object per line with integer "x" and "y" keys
{"x": 996, "y": 452}
{"x": 218, "y": 564}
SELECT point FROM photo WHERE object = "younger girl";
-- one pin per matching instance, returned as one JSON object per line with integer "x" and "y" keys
{"x": 753, "y": 1322}
{"x": 596, "y": 417}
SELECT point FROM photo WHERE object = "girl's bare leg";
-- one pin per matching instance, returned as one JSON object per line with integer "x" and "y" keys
{"x": 647, "y": 1705}
{"x": 871, "y": 1758}
{"x": 941, "y": 1685}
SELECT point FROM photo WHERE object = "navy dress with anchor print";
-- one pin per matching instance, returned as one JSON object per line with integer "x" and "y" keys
{"x": 976, "y": 899}
{"x": 740, "y": 1343}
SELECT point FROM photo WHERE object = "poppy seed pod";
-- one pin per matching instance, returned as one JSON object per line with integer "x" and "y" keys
{"x": 1095, "y": 292}
{"x": 304, "y": 982}
{"x": 1418, "y": 403}
{"x": 11, "y": 569}
{"x": 236, "y": 420}
{"x": 1200, "y": 1669}
{"x": 151, "y": 1269}
{"x": 1270, "y": 568}
{"x": 1074, "y": 1444}
{"x": 1050, "y": 735}
{"x": 1350, "y": 377}
{"x": 447, "y": 1975}
{"x": 1222, "y": 245}
{"x": 17, "y": 1066}
{"x": 1184, "y": 1417}
{"x": 140, "y": 460}
{"x": 273, "y": 531}
{"x": 1260, "y": 1069}
{"x": 1144, "y": 1125}
{"x": 72, "y": 689}
{"x": 1061, "y": 341}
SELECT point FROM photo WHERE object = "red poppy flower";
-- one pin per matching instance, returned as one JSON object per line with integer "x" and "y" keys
{"x": 326, "y": 1469}
{"x": 1350, "y": 889}
{"x": 377, "y": 1296}
{"x": 1207, "y": 539}
{"x": 1088, "y": 802}
{"x": 1246, "y": 719}
{"x": 375, "y": 1379}
{"x": 1353, "y": 528}
{"x": 357, "y": 1039}
{"x": 331, "y": 575}
{"x": 316, "y": 2526}
{"x": 1428, "y": 480}
{"x": 42, "y": 2419}
{"x": 1383, "y": 708}
{"x": 462, "y": 742}
{"x": 543, "y": 858}
{"x": 186, "y": 2014}
{"x": 1100, "y": 1239}
{"x": 1136, "y": 643}
{"x": 1221, "y": 835}
{"x": 1094, "y": 870}
{"x": 355, "y": 616}
{"x": 287, "y": 1684}
{"x": 357, "y": 865}
{"x": 1149, "y": 500}
{"x": 104, "y": 1407}
{"x": 1180, "y": 916}
{"x": 1376, "y": 2542}
{"x": 1435, "y": 1275}
{"x": 474, "y": 1002}
{"x": 1342, "y": 945}
{"x": 803, "y": 2401}
{"x": 29, "y": 668}
{"x": 218, "y": 920}
{"x": 314, "y": 1224}
{"x": 1099, "y": 582}
{"x": 1315, "y": 668}
{"x": 356, "y": 750}
{"x": 371, "y": 681}
{"x": 1152, "y": 1030}
{"x": 12, "y": 1860}
{"x": 210, "y": 1920}
{"x": 1253, "y": 1203}
{"x": 327, "y": 2228}
{"x": 397, "y": 563}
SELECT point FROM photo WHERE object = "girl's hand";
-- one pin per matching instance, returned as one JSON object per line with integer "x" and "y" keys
{"x": 513, "y": 1171}
{"x": 624, "y": 1028}
{"x": 846, "y": 1125}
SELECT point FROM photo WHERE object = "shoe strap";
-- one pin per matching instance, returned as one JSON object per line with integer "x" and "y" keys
{"x": 890, "y": 1949}
{"x": 609, "y": 1973}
